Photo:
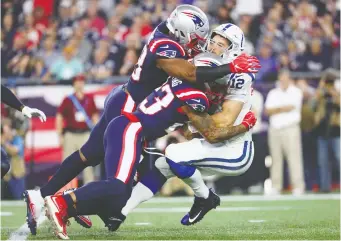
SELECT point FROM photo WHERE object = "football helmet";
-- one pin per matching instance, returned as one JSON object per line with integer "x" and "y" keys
{"x": 189, "y": 25}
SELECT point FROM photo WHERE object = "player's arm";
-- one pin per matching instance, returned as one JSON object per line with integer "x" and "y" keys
{"x": 184, "y": 70}
{"x": 11, "y": 100}
{"x": 213, "y": 133}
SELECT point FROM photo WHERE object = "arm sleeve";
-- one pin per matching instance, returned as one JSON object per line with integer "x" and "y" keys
{"x": 63, "y": 107}
{"x": 10, "y": 99}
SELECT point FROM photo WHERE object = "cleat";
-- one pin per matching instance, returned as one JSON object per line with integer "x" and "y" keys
{"x": 34, "y": 207}
{"x": 56, "y": 212}
{"x": 114, "y": 222}
{"x": 82, "y": 220}
{"x": 200, "y": 207}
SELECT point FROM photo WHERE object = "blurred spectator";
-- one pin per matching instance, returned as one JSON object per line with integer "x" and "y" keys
{"x": 309, "y": 144}
{"x": 32, "y": 32}
{"x": 97, "y": 22}
{"x": 67, "y": 66}
{"x": 48, "y": 52}
{"x": 130, "y": 59}
{"x": 82, "y": 46}
{"x": 100, "y": 68}
{"x": 13, "y": 144}
{"x": 223, "y": 15}
{"x": 8, "y": 29}
{"x": 75, "y": 118}
{"x": 327, "y": 119}
{"x": 317, "y": 57}
{"x": 267, "y": 60}
{"x": 65, "y": 21}
{"x": 283, "y": 106}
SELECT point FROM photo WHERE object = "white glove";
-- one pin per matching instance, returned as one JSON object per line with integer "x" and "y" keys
{"x": 33, "y": 112}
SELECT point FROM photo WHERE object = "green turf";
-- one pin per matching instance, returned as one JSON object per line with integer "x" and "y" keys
{"x": 312, "y": 220}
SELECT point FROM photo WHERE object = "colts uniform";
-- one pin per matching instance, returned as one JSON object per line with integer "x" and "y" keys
{"x": 232, "y": 157}
{"x": 145, "y": 78}
{"x": 125, "y": 134}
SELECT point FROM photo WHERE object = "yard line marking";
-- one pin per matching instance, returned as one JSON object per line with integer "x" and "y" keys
{"x": 256, "y": 221}
{"x": 239, "y": 198}
{"x": 3, "y": 214}
{"x": 142, "y": 224}
{"x": 224, "y": 209}
{"x": 22, "y": 232}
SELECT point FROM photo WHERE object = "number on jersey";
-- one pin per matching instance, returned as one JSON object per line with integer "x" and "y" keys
{"x": 159, "y": 103}
{"x": 138, "y": 68}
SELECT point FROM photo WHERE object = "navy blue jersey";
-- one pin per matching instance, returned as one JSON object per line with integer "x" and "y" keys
{"x": 146, "y": 76}
{"x": 162, "y": 108}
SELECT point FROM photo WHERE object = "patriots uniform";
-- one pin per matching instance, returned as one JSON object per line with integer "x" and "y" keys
{"x": 145, "y": 78}
{"x": 161, "y": 109}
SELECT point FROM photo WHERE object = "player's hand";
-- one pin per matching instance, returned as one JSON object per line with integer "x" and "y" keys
{"x": 249, "y": 120}
{"x": 33, "y": 112}
{"x": 245, "y": 64}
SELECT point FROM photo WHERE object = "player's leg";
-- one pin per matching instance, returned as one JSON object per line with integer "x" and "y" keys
{"x": 178, "y": 158}
{"x": 123, "y": 144}
{"x": 91, "y": 154}
{"x": 149, "y": 185}
{"x": 5, "y": 166}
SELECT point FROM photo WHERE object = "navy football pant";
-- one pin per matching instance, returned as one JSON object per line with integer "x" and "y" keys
{"x": 93, "y": 150}
{"x": 123, "y": 142}
{"x": 5, "y": 166}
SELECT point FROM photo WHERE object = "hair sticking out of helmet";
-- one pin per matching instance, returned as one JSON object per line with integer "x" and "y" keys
{"x": 189, "y": 25}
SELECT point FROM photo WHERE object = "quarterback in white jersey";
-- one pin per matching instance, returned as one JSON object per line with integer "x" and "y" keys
{"x": 215, "y": 153}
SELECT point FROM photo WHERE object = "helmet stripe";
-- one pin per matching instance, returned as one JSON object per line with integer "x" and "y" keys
{"x": 241, "y": 42}
{"x": 227, "y": 26}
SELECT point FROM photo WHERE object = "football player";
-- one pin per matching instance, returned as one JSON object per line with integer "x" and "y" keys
{"x": 216, "y": 154}
{"x": 123, "y": 144}
{"x": 170, "y": 45}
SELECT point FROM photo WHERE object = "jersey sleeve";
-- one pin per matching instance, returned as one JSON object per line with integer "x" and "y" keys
{"x": 239, "y": 87}
{"x": 190, "y": 95}
{"x": 166, "y": 49}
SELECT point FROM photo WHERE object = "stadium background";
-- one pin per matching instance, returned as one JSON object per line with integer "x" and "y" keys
{"x": 106, "y": 37}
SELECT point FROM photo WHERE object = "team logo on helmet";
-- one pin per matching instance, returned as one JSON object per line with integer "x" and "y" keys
{"x": 207, "y": 63}
{"x": 196, "y": 19}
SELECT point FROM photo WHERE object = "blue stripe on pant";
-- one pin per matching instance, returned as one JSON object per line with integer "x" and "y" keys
{"x": 123, "y": 142}
{"x": 226, "y": 161}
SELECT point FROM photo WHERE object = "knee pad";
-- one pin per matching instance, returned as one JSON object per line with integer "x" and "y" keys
{"x": 180, "y": 170}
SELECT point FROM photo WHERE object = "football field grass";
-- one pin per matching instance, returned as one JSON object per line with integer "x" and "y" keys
{"x": 309, "y": 217}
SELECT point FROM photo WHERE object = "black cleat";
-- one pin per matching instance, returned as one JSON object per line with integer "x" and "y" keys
{"x": 114, "y": 222}
{"x": 200, "y": 207}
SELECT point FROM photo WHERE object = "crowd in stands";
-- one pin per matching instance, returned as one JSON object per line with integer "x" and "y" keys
{"x": 102, "y": 38}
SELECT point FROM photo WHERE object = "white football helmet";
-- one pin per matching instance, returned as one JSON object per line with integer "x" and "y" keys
{"x": 189, "y": 24}
{"x": 214, "y": 90}
{"x": 236, "y": 40}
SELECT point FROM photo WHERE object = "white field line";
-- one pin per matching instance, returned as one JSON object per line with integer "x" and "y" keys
{"x": 237, "y": 198}
{"x": 22, "y": 232}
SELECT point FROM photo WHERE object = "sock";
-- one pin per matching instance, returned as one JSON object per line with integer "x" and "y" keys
{"x": 150, "y": 183}
{"x": 68, "y": 170}
{"x": 140, "y": 194}
{"x": 197, "y": 184}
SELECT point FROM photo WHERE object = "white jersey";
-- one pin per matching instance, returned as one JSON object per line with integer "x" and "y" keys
{"x": 239, "y": 88}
